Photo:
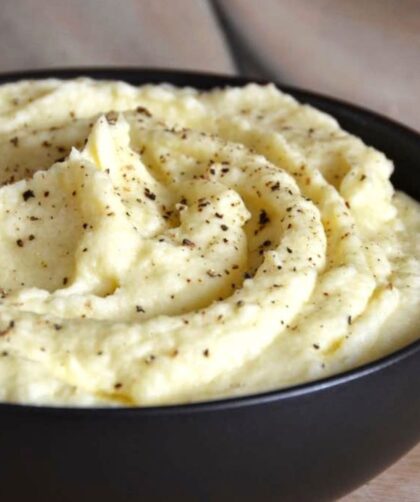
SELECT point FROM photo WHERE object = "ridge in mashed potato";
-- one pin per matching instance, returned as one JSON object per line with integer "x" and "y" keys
{"x": 162, "y": 245}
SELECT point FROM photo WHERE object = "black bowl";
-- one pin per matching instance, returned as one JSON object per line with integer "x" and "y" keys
{"x": 311, "y": 442}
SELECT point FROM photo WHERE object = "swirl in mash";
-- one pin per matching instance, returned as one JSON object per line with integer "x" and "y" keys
{"x": 162, "y": 245}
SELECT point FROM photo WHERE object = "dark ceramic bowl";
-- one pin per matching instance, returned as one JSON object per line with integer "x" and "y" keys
{"x": 311, "y": 442}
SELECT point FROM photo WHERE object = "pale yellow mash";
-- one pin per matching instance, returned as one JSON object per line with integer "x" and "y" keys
{"x": 162, "y": 245}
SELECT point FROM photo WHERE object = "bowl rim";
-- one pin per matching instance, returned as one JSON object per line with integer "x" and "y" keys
{"x": 225, "y": 403}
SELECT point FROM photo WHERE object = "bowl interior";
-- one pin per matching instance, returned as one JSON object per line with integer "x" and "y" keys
{"x": 399, "y": 143}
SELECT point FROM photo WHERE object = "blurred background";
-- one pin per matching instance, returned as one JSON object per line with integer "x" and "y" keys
{"x": 364, "y": 51}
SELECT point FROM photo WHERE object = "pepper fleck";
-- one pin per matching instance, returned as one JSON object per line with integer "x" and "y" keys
{"x": 111, "y": 117}
{"x": 188, "y": 243}
{"x": 143, "y": 110}
{"x": 150, "y": 195}
{"x": 263, "y": 218}
{"x": 27, "y": 195}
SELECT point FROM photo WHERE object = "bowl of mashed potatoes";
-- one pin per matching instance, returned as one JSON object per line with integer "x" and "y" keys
{"x": 209, "y": 288}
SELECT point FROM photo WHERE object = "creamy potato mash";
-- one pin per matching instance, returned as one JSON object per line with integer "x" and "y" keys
{"x": 162, "y": 245}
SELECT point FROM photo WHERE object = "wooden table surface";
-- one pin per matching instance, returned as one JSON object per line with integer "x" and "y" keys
{"x": 364, "y": 52}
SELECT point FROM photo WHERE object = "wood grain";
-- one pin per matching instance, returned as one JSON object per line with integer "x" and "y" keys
{"x": 400, "y": 482}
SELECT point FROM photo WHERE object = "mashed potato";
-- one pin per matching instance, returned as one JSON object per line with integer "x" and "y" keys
{"x": 162, "y": 245}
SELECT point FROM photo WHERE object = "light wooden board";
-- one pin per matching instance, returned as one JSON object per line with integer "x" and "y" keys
{"x": 401, "y": 482}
